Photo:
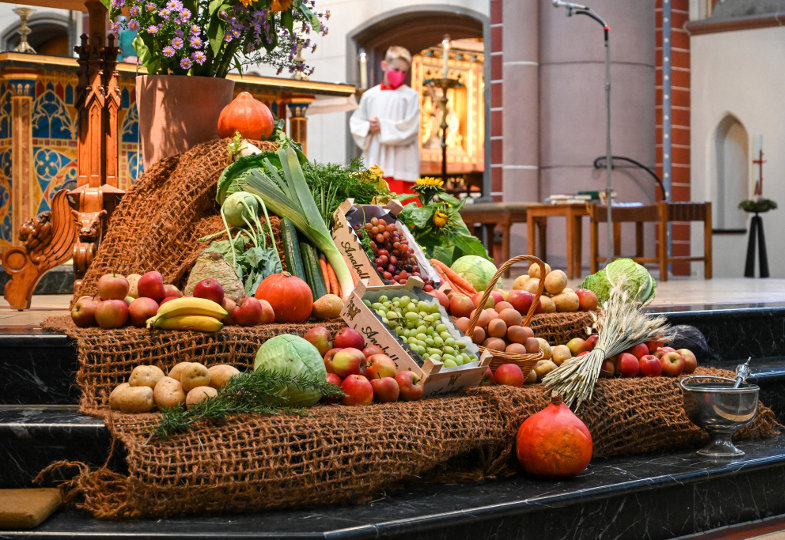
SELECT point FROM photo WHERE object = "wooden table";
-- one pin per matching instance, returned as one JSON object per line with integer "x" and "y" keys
{"x": 538, "y": 214}
{"x": 488, "y": 215}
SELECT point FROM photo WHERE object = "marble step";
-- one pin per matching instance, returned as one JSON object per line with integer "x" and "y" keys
{"x": 663, "y": 495}
{"x": 58, "y": 280}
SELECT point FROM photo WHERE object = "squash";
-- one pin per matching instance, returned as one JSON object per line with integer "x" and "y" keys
{"x": 554, "y": 442}
{"x": 289, "y": 296}
{"x": 248, "y": 115}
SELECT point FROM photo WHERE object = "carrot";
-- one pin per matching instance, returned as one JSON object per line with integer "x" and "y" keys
{"x": 455, "y": 278}
{"x": 325, "y": 275}
{"x": 334, "y": 280}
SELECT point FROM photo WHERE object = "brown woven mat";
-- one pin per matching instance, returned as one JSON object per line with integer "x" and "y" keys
{"x": 107, "y": 357}
{"x": 158, "y": 222}
{"x": 559, "y": 328}
{"x": 342, "y": 454}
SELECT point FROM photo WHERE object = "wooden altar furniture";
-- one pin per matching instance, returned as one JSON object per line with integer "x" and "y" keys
{"x": 662, "y": 214}
{"x": 537, "y": 217}
{"x": 488, "y": 216}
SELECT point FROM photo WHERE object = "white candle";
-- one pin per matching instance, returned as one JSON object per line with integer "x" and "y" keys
{"x": 446, "y": 54}
{"x": 757, "y": 145}
{"x": 363, "y": 69}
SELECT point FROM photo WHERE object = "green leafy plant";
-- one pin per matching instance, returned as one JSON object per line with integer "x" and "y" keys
{"x": 759, "y": 206}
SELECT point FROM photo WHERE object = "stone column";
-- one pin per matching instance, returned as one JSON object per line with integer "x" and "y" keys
{"x": 572, "y": 106}
{"x": 22, "y": 85}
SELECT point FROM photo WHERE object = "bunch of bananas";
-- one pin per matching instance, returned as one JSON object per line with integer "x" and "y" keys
{"x": 189, "y": 313}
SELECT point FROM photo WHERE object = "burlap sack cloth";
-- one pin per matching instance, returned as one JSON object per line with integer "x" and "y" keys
{"x": 337, "y": 453}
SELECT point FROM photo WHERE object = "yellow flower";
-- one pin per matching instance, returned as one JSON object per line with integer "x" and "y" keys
{"x": 376, "y": 171}
{"x": 247, "y": 3}
{"x": 280, "y": 5}
{"x": 429, "y": 181}
{"x": 440, "y": 218}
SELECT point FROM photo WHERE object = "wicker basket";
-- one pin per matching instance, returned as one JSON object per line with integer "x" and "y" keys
{"x": 524, "y": 361}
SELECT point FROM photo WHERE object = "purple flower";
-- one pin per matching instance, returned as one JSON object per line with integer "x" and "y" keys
{"x": 152, "y": 29}
{"x": 115, "y": 27}
{"x": 179, "y": 33}
{"x": 195, "y": 42}
{"x": 117, "y": 4}
{"x": 135, "y": 11}
{"x": 168, "y": 51}
{"x": 327, "y": 14}
{"x": 174, "y": 5}
{"x": 199, "y": 57}
{"x": 177, "y": 43}
{"x": 150, "y": 7}
{"x": 186, "y": 63}
{"x": 185, "y": 14}
{"x": 164, "y": 13}
{"x": 133, "y": 25}
{"x": 195, "y": 30}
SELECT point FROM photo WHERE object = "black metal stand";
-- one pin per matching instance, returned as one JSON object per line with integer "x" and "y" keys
{"x": 756, "y": 234}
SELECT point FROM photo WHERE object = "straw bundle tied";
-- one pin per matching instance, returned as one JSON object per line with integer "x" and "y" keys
{"x": 621, "y": 325}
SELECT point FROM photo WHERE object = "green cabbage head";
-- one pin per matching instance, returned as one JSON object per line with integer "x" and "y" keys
{"x": 476, "y": 270}
{"x": 637, "y": 281}
{"x": 292, "y": 355}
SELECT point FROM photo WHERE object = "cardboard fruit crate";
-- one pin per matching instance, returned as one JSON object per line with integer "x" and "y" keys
{"x": 348, "y": 243}
{"x": 438, "y": 379}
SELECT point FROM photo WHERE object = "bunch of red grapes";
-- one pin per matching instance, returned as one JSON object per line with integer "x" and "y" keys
{"x": 393, "y": 257}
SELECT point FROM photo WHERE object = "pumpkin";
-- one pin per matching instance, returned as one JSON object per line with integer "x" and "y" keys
{"x": 290, "y": 297}
{"x": 248, "y": 115}
{"x": 554, "y": 442}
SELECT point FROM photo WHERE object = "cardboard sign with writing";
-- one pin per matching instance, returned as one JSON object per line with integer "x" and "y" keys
{"x": 438, "y": 379}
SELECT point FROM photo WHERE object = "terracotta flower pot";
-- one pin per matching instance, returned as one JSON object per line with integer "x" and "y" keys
{"x": 177, "y": 112}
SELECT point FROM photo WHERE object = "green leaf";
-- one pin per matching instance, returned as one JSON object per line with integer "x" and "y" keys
{"x": 234, "y": 175}
{"x": 443, "y": 253}
{"x": 288, "y": 20}
{"x": 469, "y": 244}
{"x": 309, "y": 16}
{"x": 420, "y": 216}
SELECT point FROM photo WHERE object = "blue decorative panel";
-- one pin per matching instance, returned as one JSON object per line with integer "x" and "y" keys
{"x": 6, "y": 206}
{"x": 54, "y": 171}
{"x": 125, "y": 98}
{"x": 5, "y": 112}
{"x": 69, "y": 94}
{"x": 50, "y": 117}
{"x": 135, "y": 165}
{"x": 129, "y": 131}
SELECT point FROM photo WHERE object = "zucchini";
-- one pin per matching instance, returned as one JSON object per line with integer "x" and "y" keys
{"x": 291, "y": 249}
{"x": 313, "y": 271}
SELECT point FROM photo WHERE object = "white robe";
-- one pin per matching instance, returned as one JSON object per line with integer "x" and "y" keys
{"x": 395, "y": 148}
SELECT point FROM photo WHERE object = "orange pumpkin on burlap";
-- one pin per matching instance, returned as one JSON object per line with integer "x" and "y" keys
{"x": 248, "y": 115}
{"x": 554, "y": 442}
{"x": 290, "y": 297}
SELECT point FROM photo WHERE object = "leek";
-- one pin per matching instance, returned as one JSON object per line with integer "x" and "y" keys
{"x": 290, "y": 198}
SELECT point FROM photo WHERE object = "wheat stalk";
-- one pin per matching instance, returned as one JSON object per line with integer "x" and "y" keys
{"x": 621, "y": 325}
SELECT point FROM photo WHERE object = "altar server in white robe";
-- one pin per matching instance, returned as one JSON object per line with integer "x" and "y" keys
{"x": 387, "y": 123}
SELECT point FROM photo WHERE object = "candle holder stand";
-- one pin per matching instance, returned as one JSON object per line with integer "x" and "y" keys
{"x": 444, "y": 84}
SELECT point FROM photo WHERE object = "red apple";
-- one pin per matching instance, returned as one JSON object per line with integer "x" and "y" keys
{"x": 113, "y": 287}
{"x": 520, "y": 300}
{"x": 411, "y": 385}
{"x": 489, "y": 303}
{"x": 358, "y": 390}
{"x": 332, "y": 378}
{"x": 672, "y": 364}
{"x": 587, "y": 300}
{"x": 319, "y": 337}
{"x": 650, "y": 366}
{"x": 348, "y": 361}
{"x": 385, "y": 389}
{"x": 461, "y": 305}
{"x": 111, "y": 313}
{"x": 591, "y": 342}
{"x": 210, "y": 289}
{"x": 509, "y": 374}
{"x": 328, "y": 359}
{"x": 171, "y": 290}
{"x": 661, "y": 351}
{"x": 141, "y": 309}
{"x": 582, "y": 353}
{"x": 370, "y": 350}
{"x": 439, "y": 295}
{"x": 638, "y": 351}
{"x": 379, "y": 366}
{"x": 628, "y": 365}
{"x": 165, "y": 300}
{"x": 349, "y": 337}
{"x": 83, "y": 312}
{"x": 228, "y": 304}
{"x": 539, "y": 307}
{"x": 690, "y": 362}
{"x": 249, "y": 312}
{"x": 576, "y": 345}
{"x": 653, "y": 345}
{"x": 268, "y": 315}
{"x": 497, "y": 295}
{"x": 151, "y": 285}
{"x": 487, "y": 378}
{"x": 607, "y": 369}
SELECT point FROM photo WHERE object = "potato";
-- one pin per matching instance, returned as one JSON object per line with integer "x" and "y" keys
{"x": 221, "y": 373}
{"x": 519, "y": 281}
{"x": 168, "y": 393}
{"x": 534, "y": 270}
{"x": 532, "y": 345}
{"x": 200, "y": 393}
{"x": 547, "y": 304}
{"x": 566, "y": 301}
{"x": 177, "y": 370}
{"x": 531, "y": 285}
{"x": 132, "y": 399}
{"x": 328, "y": 306}
{"x": 555, "y": 281}
{"x": 543, "y": 367}
{"x": 531, "y": 377}
{"x": 133, "y": 285}
{"x": 560, "y": 353}
{"x": 194, "y": 375}
{"x": 145, "y": 376}
{"x": 545, "y": 347}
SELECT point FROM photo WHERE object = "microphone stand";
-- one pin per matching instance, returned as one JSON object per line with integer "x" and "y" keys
{"x": 608, "y": 155}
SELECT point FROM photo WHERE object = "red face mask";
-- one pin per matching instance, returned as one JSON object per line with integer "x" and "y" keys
{"x": 395, "y": 78}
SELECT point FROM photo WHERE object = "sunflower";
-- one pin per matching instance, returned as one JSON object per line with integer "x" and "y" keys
{"x": 427, "y": 188}
{"x": 280, "y": 5}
